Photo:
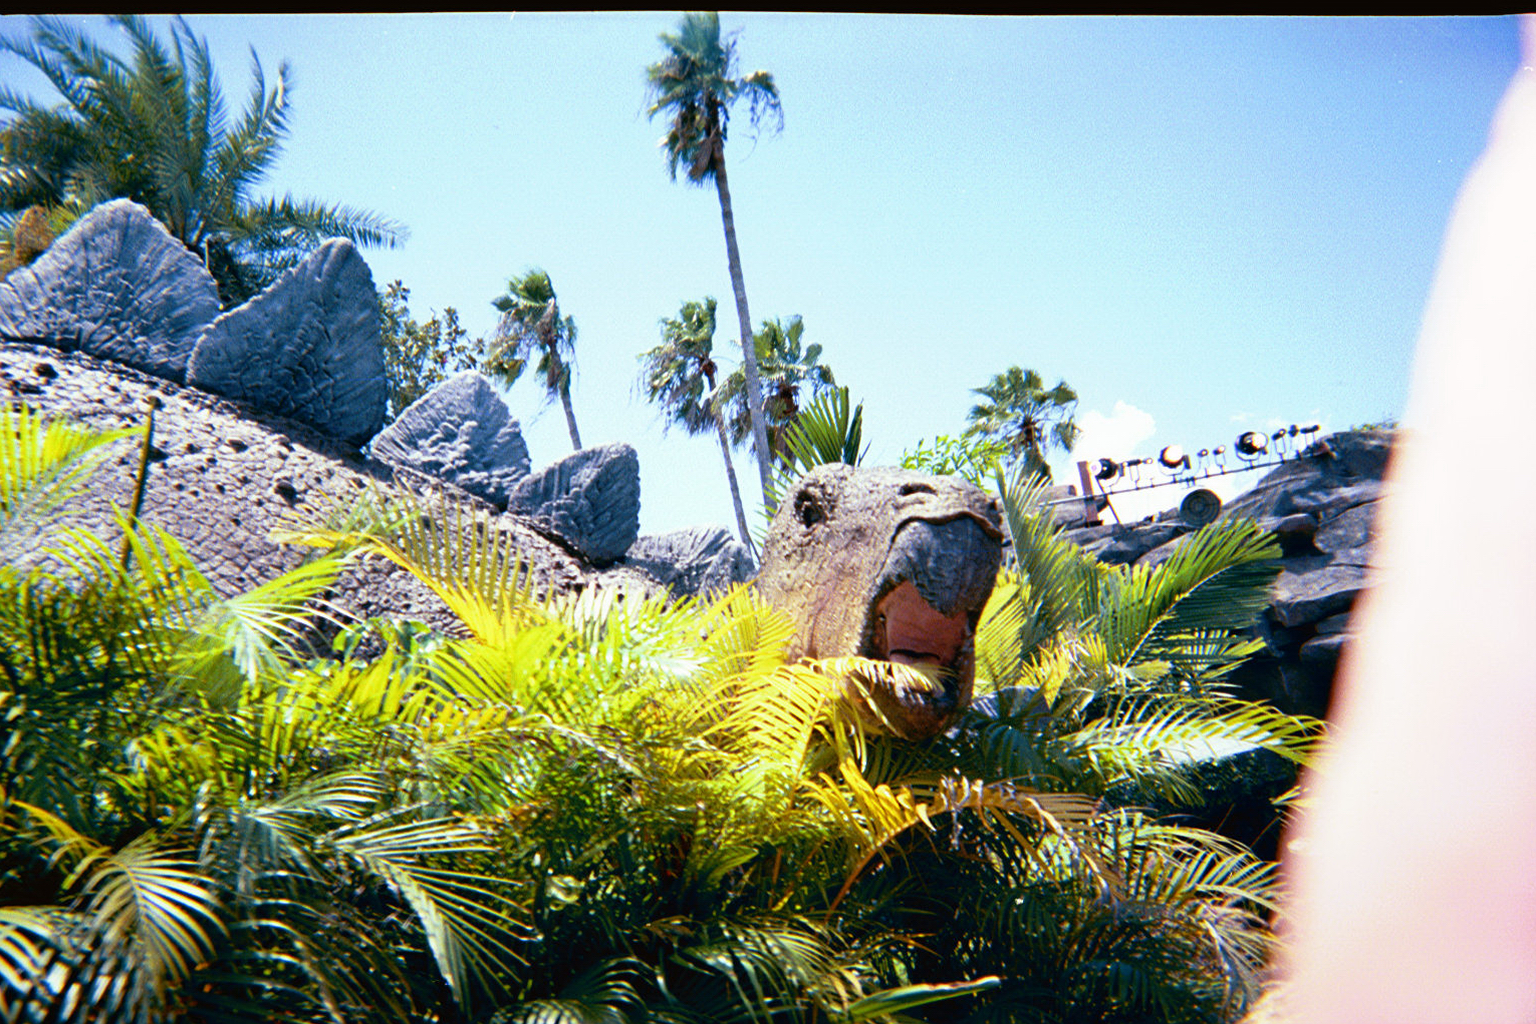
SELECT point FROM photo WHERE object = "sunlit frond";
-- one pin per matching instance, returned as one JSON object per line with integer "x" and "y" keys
{"x": 467, "y": 926}
{"x": 43, "y": 463}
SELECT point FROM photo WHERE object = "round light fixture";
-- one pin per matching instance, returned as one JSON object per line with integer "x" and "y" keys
{"x": 1252, "y": 443}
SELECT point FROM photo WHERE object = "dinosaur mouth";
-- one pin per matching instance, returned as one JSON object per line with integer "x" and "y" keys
{"x": 910, "y": 631}
{"x": 936, "y": 579}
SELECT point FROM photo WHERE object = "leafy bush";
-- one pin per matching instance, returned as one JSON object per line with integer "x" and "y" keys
{"x": 972, "y": 456}
{"x": 599, "y": 807}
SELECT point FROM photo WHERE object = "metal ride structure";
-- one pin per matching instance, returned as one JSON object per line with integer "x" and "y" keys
{"x": 1172, "y": 467}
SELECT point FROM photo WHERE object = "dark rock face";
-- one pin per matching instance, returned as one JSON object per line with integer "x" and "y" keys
{"x": 116, "y": 286}
{"x": 589, "y": 499}
{"x": 1346, "y": 471}
{"x": 307, "y": 348}
{"x": 1321, "y": 508}
{"x": 461, "y": 432}
{"x": 1125, "y": 544}
{"x": 1312, "y": 589}
{"x": 693, "y": 563}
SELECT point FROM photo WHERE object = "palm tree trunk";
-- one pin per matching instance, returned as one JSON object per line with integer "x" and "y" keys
{"x": 570, "y": 416}
{"x": 748, "y": 352}
{"x": 730, "y": 475}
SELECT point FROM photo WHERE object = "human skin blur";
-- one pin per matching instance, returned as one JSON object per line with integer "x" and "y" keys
{"x": 1414, "y": 870}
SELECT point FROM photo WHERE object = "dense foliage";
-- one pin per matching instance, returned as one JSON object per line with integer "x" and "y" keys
{"x": 972, "y": 456}
{"x": 154, "y": 128}
{"x": 418, "y": 356}
{"x": 603, "y": 808}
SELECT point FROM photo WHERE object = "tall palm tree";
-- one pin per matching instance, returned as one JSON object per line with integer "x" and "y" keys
{"x": 153, "y": 128}
{"x": 786, "y": 366}
{"x": 680, "y": 373}
{"x": 531, "y": 324}
{"x": 695, "y": 86}
{"x": 1031, "y": 418}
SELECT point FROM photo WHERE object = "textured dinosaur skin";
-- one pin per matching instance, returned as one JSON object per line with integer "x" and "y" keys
{"x": 892, "y": 565}
{"x": 223, "y": 475}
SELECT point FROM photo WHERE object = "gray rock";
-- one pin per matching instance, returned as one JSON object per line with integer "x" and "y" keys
{"x": 1082, "y": 536}
{"x": 1122, "y": 545}
{"x": 1328, "y": 502}
{"x": 116, "y": 286}
{"x": 1349, "y": 529}
{"x": 461, "y": 432}
{"x": 1363, "y": 453}
{"x": 589, "y": 499}
{"x": 692, "y": 563}
{"x": 1324, "y": 647}
{"x": 1342, "y": 470}
{"x": 1333, "y": 624}
{"x": 1310, "y": 589}
{"x": 307, "y": 348}
{"x": 1299, "y": 524}
{"x": 1160, "y": 554}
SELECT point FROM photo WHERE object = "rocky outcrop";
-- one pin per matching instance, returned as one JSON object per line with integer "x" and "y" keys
{"x": 460, "y": 432}
{"x": 116, "y": 286}
{"x": 700, "y": 562}
{"x": 1321, "y": 508}
{"x": 590, "y": 500}
{"x": 301, "y": 359}
{"x": 306, "y": 349}
{"x": 1117, "y": 544}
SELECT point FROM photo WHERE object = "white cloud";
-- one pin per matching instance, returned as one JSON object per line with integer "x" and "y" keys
{"x": 1114, "y": 436}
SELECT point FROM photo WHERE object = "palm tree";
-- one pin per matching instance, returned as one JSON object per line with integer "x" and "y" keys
{"x": 1026, "y": 415}
{"x": 153, "y": 128}
{"x": 680, "y": 373}
{"x": 695, "y": 86}
{"x": 786, "y": 367}
{"x": 531, "y": 324}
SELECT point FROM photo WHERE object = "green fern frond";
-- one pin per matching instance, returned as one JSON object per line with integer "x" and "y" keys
{"x": 455, "y": 550}
{"x": 43, "y": 463}
{"x": 467, "y": 926}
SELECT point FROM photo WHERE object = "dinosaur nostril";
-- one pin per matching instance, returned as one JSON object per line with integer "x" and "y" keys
{"x": 907, "y": 489}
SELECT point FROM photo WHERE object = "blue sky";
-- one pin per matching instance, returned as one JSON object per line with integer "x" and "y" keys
{"x": 1203, "y": 225}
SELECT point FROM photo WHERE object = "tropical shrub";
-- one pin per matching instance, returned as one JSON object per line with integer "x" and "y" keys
{"x": 971, "y": 456}
{"x": 607, "y": 807}
{"x": 419, "y": 356}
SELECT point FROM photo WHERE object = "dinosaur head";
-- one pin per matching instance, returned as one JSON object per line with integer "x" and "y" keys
{"x": 892, "y": 565}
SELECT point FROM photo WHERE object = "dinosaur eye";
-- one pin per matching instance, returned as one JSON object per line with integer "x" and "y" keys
{"x": 808, "y": 509}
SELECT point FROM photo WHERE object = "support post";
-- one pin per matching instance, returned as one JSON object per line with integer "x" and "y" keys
{"x": 1090, "y": 503}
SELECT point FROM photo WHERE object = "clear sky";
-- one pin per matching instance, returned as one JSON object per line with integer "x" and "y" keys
{"x": 1203, "y": 225}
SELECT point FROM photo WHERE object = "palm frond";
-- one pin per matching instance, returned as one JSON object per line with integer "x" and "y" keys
{"x": 1217, "y": 580}
{"x": 457, "y": 552}
{"x": 467, "y": 926}
{"x": 43, "y": 463}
